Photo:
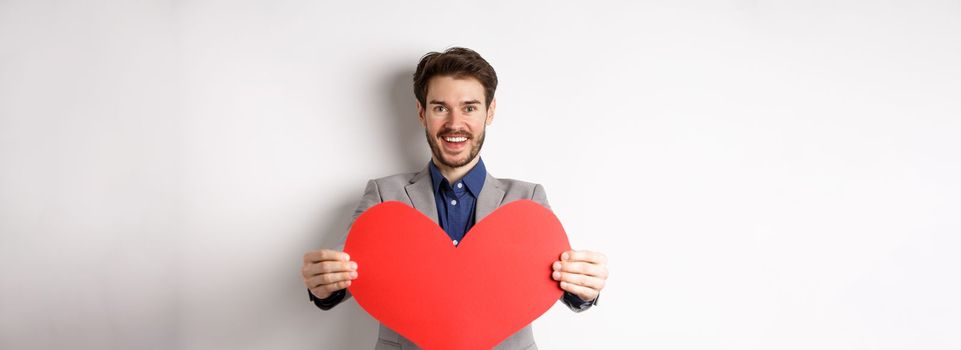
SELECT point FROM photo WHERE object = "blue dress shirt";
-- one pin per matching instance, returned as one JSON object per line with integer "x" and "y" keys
{"x": 457, "y": 202}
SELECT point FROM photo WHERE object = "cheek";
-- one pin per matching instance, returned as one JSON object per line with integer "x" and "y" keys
{"x": 434, "y": 127}
{"x": 478, "y": 127}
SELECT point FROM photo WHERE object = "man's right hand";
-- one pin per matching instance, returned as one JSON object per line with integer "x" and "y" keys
{"x": 326, "y": 271}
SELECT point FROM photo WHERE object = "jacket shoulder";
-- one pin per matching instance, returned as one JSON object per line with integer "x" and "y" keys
{"x": 394, "y": 187}
{"x": 402, "y": 179}
{"x": 518, "y": 189}
{"x": 510, "y": 185}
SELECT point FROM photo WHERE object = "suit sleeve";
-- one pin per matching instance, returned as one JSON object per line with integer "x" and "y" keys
{"x": 371, "y": 198}
{"x": 572, "y": 301}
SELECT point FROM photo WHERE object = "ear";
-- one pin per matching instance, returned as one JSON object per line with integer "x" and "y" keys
{"x": 420, "y": 114}
{"x": 490, "y": 111}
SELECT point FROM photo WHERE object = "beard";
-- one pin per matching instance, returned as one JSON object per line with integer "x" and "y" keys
{"x": 475, "y": 147}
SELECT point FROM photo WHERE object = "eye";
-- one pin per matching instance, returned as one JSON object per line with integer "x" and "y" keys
{"x": 439, "y": 109}
{"x": 470, "y": 108}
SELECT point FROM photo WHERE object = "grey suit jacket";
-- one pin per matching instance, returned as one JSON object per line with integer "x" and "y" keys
{"x": 416, "y": 190}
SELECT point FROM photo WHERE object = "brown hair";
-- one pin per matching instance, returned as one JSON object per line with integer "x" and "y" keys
{"x": 457, "y": 62}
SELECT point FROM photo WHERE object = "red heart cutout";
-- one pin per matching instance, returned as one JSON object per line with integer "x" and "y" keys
{"x": 414, "y": 280}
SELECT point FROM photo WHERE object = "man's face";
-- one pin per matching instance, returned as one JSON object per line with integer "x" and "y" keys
{"x": 455, "y": 119}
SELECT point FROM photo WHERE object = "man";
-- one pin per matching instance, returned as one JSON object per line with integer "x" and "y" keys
{"x": 455, "y": 103}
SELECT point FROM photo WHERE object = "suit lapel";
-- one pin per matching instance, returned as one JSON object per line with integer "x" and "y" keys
{"x": 490, "y": 197}
{"x": 421, "y": 194}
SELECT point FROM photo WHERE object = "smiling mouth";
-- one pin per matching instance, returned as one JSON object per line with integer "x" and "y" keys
{"x": 455, "y": 139}
{"x": 454, "y": 143}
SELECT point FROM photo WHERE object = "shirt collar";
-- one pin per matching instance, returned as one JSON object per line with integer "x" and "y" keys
{"x": 474, "y": 179}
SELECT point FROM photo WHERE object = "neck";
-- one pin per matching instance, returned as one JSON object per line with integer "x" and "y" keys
{"x": 455, "y": 174}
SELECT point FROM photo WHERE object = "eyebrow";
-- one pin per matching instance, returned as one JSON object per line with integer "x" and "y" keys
{"x": 439, "y": 102}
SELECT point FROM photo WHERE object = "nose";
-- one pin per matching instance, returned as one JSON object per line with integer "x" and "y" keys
{"x": 455, "y": 119}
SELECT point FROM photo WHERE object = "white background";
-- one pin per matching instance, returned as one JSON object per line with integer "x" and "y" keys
{"x": 762, "y": 174}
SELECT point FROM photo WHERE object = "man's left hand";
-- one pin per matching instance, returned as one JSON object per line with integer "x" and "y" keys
{"x": 581, "y": 272}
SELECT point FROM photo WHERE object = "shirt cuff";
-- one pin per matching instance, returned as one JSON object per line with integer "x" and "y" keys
{"x": 328, "y": 302}
{"x": 577, "y": 304}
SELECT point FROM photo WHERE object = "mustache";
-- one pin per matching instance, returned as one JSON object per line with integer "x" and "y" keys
{"x": 447, "y": 132}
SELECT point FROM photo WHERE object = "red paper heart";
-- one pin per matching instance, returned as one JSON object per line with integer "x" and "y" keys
{"x": 414, "y": 280}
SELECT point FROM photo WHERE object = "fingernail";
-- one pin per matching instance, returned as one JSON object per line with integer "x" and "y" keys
{"x": 564, "y": 256}
{"x": 353, "y": 265}
{"x": 346, "y": 257}
{"x": 557, "y": 265}
{"x": 353, "y": 275}
{"x": 556, "y": 275}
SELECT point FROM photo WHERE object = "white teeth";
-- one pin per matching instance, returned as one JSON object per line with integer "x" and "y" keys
{"x": 455, "y": 139}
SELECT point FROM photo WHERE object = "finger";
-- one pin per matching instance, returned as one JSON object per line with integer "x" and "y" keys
{"x": 328, "y": 278}
{"x": 320, "y": 280}
{"x": 333, "y": 287}
{"x": 325, "y": 255}
{"x": 323, "y": 267}
{"x": 580, "y": 291}
{"x": 327, "y": 289}
{"x": 584, "y": 255}
{"x": 582, "y": 280}
{"x": 580, "y": 267}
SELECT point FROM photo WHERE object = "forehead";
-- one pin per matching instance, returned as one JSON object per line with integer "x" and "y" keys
{"x": 460, "y": 88}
